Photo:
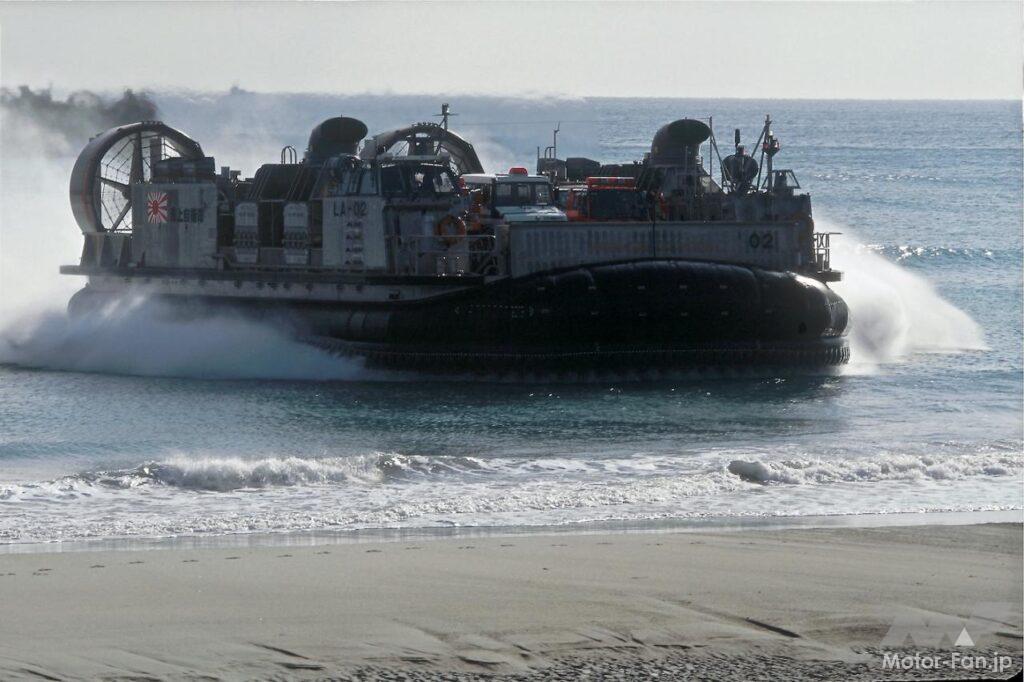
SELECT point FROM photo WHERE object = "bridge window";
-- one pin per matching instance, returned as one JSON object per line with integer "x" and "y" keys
{"x": 443, "y": 183}
{"x": 391, "y": 181}
{"x": 416, "y": 180}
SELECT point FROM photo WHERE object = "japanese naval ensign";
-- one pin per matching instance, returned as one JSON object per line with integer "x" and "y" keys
{"x": 157, "y": 206}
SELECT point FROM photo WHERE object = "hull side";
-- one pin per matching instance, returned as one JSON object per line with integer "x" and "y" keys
{"x": 657, "y": 313}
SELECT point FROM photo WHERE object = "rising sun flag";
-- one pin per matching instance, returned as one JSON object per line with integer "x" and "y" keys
{"x": 156, "y": 207}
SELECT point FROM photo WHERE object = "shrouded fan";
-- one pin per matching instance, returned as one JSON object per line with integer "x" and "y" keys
{"x": 101, "y": 180}
{"x": 335, "y": 136}
{"x": 426, "y": 139}
{"x": 678, "y": 141}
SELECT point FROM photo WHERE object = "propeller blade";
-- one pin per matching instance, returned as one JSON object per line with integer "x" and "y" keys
{"x": 124, "y": 212}
{"x": 116, "y": 185}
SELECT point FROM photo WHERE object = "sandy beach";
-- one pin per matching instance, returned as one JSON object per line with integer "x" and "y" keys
{"x": 771, "y": 604}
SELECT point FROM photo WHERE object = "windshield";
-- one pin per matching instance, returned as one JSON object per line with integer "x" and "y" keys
{"x": 423, "y": 179}
{"x": 522, "y": 194}
{"x": 431, "y": 179}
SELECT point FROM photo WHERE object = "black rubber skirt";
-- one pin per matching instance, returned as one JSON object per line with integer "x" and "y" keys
{"x": 618, "y": 316}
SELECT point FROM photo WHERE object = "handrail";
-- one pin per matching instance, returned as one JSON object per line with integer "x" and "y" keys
{"x": 448, "y": 256}
{"x": 823, "y": 250}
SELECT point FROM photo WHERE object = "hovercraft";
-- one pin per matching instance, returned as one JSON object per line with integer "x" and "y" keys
{"x": 400, "y": 249}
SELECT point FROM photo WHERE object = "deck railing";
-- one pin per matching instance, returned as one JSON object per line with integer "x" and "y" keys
{"x": 823, "y": 250}
{"x": 449, "y": 256}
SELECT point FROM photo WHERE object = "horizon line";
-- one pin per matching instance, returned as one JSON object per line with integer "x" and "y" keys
{"x": 524, "y": 95}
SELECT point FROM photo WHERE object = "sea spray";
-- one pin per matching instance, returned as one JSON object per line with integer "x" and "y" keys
{"x": 129, "y": 336}
{"x": 37, "y": 235}
{"x": 147, "y": 338}
{"x": 893, "y": 311}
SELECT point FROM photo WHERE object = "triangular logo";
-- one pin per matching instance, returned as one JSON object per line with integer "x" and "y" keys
{"x": 964, "y": 639}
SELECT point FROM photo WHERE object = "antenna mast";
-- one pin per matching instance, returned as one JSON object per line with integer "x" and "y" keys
{"x": 712, "y": 147}
{"x": 551, "y": 152}
{"x": 445, "y": 113}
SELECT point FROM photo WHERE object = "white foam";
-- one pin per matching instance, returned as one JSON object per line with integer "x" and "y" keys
{"x": 138, "y": 337}
{"x": 820, "y": 471}
{"x": 215, "y": 494}
{"x": 38, "y": 234}
{"x": 893, "y": 311}
{"x": 37, "y": 231}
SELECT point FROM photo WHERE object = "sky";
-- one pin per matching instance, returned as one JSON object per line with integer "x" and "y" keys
{"x": 818, "y": 50}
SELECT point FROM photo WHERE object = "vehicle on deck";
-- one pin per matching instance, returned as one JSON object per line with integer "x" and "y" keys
{"x": 516, "y": 196}
{"x": 605, "y": 198}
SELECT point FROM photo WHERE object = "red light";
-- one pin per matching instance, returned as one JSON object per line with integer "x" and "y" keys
{"x": 518, "y": 170}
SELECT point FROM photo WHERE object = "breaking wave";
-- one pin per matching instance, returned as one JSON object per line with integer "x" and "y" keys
{"x": 223, "y": 474}
{"x": 890, "y": 468}
{"x": 230, "y": 495}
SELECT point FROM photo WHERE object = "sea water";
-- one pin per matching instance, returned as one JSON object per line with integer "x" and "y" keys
{"x": 128, "y": 425}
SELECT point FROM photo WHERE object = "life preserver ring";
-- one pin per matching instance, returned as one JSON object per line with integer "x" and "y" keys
{"x": 450, "y": 229}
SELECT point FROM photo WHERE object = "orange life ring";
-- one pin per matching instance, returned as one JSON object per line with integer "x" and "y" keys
{"x": 475, "y": 213}
{"x": 449, "y": 229}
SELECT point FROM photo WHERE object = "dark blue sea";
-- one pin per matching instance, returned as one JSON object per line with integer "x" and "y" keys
{"x": 126, "y": 425}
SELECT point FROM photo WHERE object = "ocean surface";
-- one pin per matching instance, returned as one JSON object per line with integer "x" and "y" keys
{"x": 127, "y": 425}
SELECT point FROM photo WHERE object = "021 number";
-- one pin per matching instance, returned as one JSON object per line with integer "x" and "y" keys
{"x": 762, "y": 240}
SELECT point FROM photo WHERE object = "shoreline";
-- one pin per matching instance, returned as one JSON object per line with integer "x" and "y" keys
{"x": 724, "y": 524}
{"x": 800, "y": 603}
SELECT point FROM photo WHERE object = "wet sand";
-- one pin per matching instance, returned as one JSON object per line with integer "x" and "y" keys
{"x": 797, "y": 603}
